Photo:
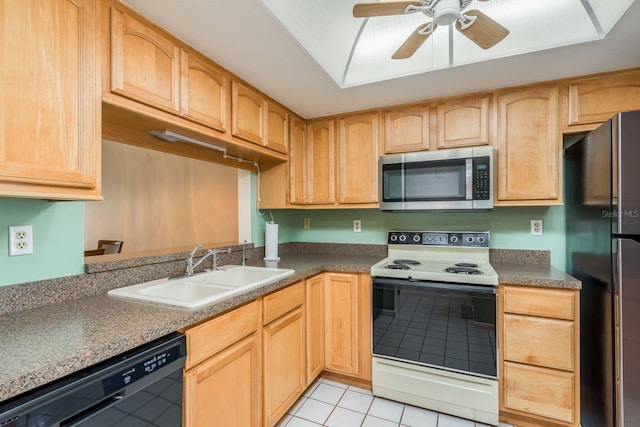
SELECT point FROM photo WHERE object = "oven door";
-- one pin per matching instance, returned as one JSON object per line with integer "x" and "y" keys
{"x": 443, "y": 325}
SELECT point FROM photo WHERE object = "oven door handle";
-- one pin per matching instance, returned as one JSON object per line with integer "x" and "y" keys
{"x": 482, "y": 289}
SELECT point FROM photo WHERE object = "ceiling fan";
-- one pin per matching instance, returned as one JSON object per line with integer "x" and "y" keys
{"x": 475, "y": 25}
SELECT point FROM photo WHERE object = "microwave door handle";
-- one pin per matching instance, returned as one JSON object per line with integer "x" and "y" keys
{"x": 469, "y": 178}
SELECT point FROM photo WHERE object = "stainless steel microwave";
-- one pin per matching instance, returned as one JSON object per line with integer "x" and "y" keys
{"x": 452, "y": 179}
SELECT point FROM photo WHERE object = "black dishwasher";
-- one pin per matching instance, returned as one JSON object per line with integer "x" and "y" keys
{"x": 142, "y": 387}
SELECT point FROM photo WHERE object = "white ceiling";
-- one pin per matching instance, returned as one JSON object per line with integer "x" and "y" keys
{"x": 244, "y": 37}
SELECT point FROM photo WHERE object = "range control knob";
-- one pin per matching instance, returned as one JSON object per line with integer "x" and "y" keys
{"x": 480, "y": 239}
{"x": 469, "y": 239}
{"x": 403, "y": 238}
{"x": 453, "y": 239}
{"x": 393, "y": 237}
{"x": 416, "y": 238}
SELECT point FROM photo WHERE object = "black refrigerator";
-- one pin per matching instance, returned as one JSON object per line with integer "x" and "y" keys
{"x": 602, "y": 211}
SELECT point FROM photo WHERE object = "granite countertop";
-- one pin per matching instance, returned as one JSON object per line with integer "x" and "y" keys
{"x": 534, "y": 275}
{"x": 42, "y": 344}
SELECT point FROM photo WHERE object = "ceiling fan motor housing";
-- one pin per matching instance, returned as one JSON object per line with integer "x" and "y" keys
{"x": 445, "y": 12}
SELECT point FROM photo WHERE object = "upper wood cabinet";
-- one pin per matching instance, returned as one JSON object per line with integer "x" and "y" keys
{"x": 277, "y": 128}
{"x": 145, "y": 64}
{"x": 153, "y": 81}
{"x": 539, "y": 357}
{"x": 596, "y": 99}
{"x": 247, "y": 113}
{"x": 150, "y": 66}
{"x": 358, "y": 153}
{"x": 49, "y": 100}
{"x": 298, "y": 181}
{"x": 258, "y": 120}
{"x": 204, "y": 92}
{"x": 320, "y": 166}
{"x": 406, "y": 129}
{"x": 463, "y": 123}
{"x": 529, "y": 148}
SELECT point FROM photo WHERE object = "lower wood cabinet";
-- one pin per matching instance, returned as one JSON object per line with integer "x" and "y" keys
{"x": 315, "y": 326}
{"x": 222, "y": 379}
{"x": 247, "y": 367}
{"x": 539, "y": 357}
{"x": 225, "y": 388}
{"x": 348, "y": 324}
{"x": 284, "y": 354}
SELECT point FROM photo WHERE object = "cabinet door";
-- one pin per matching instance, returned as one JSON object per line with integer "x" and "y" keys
{"x": 284, "y": 364}
{"x": 203, "y": 92}
{"x": 314, "y": 308}
{"x": 277, "y": 128}
{"x": 597, "y": 99}
{"x": 463, "y": 123}
{"x": 321, "y": 163}
{"x": 298, "y": 163}
{"x": 247, "y": 113}
{"x": 539, "y": 391}
{"x": 341, "y": 323}
{"x": 406, "y": 130}
{"x": 145, "y": 64}
{"x": 358, "y": 159}
{"x": 49, "y": 104}
{"x": 225, "y": 388}
{"x": 529, "y": 148}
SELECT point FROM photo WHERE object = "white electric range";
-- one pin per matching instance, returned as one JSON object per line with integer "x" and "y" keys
{"x": 434, "y": 323}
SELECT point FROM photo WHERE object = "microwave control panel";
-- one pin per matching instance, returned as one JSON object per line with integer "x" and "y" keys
{"x": 481, "y": 178}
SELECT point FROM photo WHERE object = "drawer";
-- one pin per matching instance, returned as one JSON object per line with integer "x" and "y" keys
{"x": 282, "y": 302}
{"x": 539, "y": 341}
{"x": 539, "y": 391}
{"x": 556, "y": 303}
{"x": 207, "y": 339}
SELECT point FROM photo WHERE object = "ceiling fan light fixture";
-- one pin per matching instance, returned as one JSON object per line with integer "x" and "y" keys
{"x": 446, "y": 12}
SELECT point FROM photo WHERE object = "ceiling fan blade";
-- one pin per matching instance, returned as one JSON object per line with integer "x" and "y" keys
{"x": 485, "y": 32}
{"x": 414, "y": 41}
{"x": 365, "y": 10}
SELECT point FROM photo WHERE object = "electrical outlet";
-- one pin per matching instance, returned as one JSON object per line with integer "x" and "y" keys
{"x": 536, "y": 227}
{"x": 357, "y": 226}
{"x": 306, "y": 224}
{"x": 20, "y": 240}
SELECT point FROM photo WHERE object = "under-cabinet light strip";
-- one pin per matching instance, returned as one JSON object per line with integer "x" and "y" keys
{"x": 169, "y": 136}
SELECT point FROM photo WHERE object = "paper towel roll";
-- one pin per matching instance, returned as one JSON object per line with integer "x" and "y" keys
{"x": 271, "y": 242}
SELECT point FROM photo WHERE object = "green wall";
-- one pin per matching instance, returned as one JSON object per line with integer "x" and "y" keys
{"x": 58, "y": 239}
{"x": 58, "y": 231}
{"x": 510, "y": 227}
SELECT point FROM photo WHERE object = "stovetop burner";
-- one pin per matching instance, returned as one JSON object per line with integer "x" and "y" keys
{"x": 462, "y": 270}
{"x": 398, "y": 267}
{"x": 406, "y": 261}
{"x": 439, "y": 256}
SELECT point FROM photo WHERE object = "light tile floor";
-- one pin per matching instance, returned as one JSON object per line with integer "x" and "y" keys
{"x": 333, "y": 404}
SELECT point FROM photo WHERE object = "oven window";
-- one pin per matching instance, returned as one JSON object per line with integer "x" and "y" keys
{"x": 441, "y": 328}
{"x": 424, "y": 181}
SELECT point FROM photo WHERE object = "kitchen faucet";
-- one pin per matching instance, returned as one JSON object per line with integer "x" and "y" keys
{"x": 191, "y": 265}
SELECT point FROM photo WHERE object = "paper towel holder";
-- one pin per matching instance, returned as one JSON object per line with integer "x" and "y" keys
{"x": 271, "y": 242}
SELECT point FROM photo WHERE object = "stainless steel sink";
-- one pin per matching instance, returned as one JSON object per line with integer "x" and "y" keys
{"x": 204, "y": 288}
